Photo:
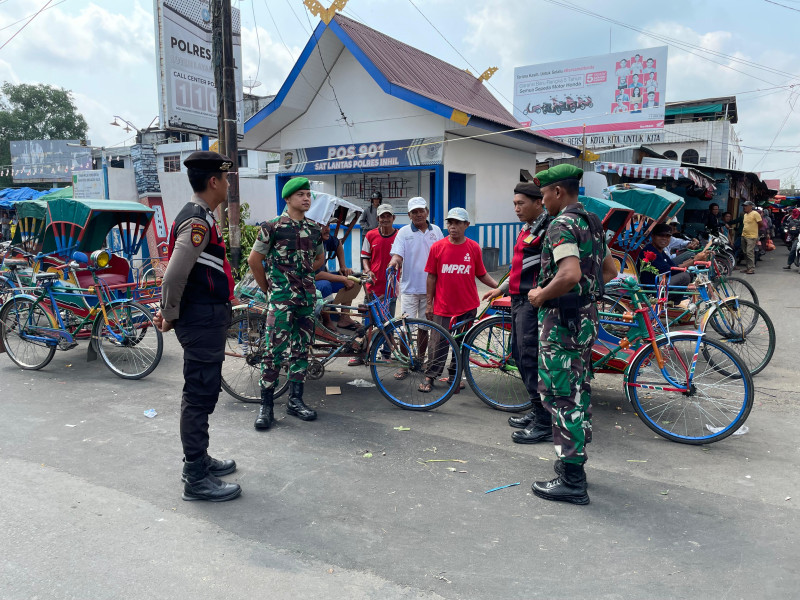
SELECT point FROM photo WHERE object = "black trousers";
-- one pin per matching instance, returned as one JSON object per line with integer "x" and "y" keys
{"x": 201, "y": 331}
{"x": 525, "y": 342}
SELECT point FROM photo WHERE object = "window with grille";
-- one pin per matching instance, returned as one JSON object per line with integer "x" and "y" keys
{"x": 172, "y": 163}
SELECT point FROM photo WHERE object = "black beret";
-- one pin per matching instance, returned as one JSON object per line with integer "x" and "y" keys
{"x": 661, "y": 229}
{"x": 205, "y": 160}
{"x": 376, "y": 195}
{"x": 528, "y": 189}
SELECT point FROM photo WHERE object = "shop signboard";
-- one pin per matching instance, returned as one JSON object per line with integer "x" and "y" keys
{"x": 48, "y": 160}
{"x": 88, "y": 184}
{"x": 344, "y": 158}
{"x": 611, "y": 95}
{"x": 187, "y": 92}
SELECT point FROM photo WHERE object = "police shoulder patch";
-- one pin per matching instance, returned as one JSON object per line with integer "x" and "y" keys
{"x": 199, "y": 231}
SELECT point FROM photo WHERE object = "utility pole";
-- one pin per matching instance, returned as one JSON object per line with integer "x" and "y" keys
{"x": 218, "y": 62}
{"x": 224, "y": 68}
{"x": 231, "y": 137}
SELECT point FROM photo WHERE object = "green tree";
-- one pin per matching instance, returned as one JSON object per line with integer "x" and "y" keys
{"x": 36, "y": 112}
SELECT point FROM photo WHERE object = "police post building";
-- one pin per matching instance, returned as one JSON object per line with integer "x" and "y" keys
{"x": 398, "y": 121}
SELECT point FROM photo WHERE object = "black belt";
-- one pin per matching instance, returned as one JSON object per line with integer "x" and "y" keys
{"x": 582, "y": 301}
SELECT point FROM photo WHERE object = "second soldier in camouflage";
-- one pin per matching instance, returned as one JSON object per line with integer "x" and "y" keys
{"x": 576, "y": 263}
{"x": 291, "y": 247}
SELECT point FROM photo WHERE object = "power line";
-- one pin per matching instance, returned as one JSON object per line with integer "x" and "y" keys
{"x": 783, "y": 5}
{"x": 258, "y": 39}
{"x": 26, "y": 24}
{"x": 464, "y": 58}
{"x": 23, "y": 18}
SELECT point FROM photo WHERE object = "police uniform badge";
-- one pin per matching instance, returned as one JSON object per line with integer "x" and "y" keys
{"x": 529, "y": 239}
{"x": 199, "y": 232}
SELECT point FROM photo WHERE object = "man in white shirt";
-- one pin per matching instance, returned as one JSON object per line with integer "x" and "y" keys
{"x": 410, "y": 251}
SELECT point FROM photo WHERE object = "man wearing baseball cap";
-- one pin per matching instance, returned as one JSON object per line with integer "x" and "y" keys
{"x": 453, "y": 265}
{"x": 369, "y": 219}
{"x": 196, "y": 298}
{"x": 410, "y": 251}
{"x": 750, "y": 222}
{"x": 576, "y": 263}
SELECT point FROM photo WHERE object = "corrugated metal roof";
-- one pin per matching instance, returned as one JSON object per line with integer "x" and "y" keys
{"x": 427, "y": 75}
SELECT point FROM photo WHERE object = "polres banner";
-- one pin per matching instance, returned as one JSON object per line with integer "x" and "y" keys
{"x": 186, "y": 88}
{"x": 620, "y": 92}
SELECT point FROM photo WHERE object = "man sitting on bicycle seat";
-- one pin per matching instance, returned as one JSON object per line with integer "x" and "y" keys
{"x": 655, "y": 260}
{"x": 339, "y": 283}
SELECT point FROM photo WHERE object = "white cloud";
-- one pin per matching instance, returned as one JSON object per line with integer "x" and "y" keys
{"x": 275, "y": 64}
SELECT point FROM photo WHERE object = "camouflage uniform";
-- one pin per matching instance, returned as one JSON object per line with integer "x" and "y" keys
{"x": 565, "y": 357}
{"x": 290, "y": 248}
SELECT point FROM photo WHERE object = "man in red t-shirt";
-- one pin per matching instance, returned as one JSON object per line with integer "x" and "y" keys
{"x": 376, "y": 252}
{"x": 453, "y": 265}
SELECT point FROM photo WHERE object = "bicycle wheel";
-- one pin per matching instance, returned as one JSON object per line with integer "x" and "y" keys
{"x": 714, "y": 404}
{"x": 244, "y": 347}
{"x": 728, "y": 287}
{"x": 130, "y": 344}
{"x": 489, "y": 367}
{"x": 746, "y": 329}
{"x": 19, "y": 321}
{"x": 410, "y": 348}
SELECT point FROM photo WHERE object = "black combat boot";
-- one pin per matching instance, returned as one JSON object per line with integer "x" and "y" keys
{"x": 521, "y": 422}
{"x": 540, "y": 430}
{"x": 216, "y": 467}
{"x": 200, "y": 484}
{"x": 569, "y": 487}
{"x": 266, "y": 416}
{"x": 295, "y": 405}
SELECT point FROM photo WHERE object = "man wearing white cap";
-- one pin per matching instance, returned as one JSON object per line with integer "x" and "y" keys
{"x": 410, "y": 251}
{"x": 452, "y": 294}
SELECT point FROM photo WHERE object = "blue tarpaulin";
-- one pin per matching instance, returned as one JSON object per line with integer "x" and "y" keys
{"x": 9, "y": 196}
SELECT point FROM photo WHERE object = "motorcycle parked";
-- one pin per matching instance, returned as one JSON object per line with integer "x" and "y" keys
{"x": 554, "y": 106}
{"x": 571, "y": 104}
{"x": 585, "y": 103}
{"x": 532, "y": 109}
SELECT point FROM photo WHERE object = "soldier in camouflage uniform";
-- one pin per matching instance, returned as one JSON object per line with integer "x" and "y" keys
{"x": 576, "y": 263}
{"x": 292, "y": 248}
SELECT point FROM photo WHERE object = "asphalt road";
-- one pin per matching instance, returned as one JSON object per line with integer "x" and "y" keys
{"x": 91, "y": 502}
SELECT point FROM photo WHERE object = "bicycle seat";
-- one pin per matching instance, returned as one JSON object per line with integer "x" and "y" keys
{"x": 15, "y": 263}
{"x": 47, "y": 276}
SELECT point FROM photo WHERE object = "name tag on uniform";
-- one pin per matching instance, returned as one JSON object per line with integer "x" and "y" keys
{"x": 529, "y": 239}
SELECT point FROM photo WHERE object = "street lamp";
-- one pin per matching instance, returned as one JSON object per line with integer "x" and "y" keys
{"x": 130, "y": 126}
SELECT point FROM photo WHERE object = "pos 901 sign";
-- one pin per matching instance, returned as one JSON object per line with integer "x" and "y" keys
{"x": 362, "y": 151}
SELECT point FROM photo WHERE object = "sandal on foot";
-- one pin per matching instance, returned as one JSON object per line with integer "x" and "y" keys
{"x": 356, "y": 361}
{"x": 426, "y": 386}
{"x": 401, "y": 374}
{"x": 448, "y": 381}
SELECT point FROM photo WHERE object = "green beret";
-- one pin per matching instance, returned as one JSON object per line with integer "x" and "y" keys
{"x": 294, "y": 184}
{"x": 556, "y": 174}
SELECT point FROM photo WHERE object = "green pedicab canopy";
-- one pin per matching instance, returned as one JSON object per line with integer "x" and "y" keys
{"x": 656, "y": 204}
{"x": 31, "y": 217}
{"x": 75, "y": 224}
{"x": 613, "y": 215}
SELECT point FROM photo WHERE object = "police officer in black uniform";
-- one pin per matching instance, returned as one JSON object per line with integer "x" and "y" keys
{"x": 196, "y": 302}
{"x": 536, "y": 424}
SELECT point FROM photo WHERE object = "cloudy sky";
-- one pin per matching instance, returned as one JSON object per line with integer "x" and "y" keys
{"x": 104, "y": 52}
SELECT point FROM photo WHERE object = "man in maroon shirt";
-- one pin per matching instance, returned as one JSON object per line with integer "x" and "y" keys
{"x": 452, "y": 294}
{"x": 525, "y": 263}
{"x": 376, "y": 252}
